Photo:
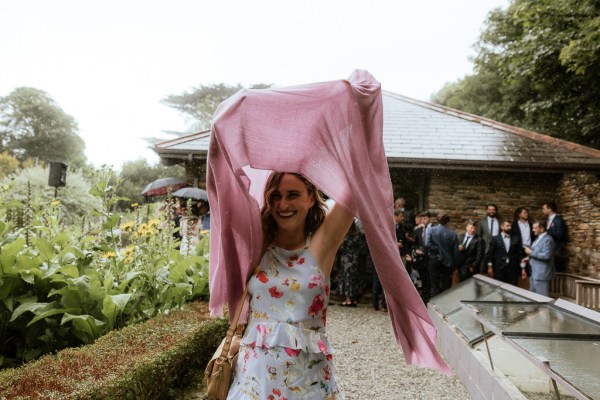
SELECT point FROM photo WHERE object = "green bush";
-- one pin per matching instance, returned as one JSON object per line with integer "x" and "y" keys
{"x": 64, "y": 286}
{"x": 136, "y": 362}
{"x": 75, "y": 199}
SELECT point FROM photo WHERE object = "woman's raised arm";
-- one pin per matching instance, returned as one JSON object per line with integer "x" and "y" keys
{"x": 327, "y": 239}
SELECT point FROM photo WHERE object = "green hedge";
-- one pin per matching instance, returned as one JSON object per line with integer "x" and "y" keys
{"x": 137, "y": 362}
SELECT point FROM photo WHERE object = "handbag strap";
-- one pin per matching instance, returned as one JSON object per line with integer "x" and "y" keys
{"x": 234, "y": 328}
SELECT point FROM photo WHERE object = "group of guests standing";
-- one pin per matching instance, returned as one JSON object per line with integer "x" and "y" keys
{"x": 505, "y": 250}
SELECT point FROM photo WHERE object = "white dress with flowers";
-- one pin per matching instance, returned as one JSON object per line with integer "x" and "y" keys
{"x": 285, "y": 353}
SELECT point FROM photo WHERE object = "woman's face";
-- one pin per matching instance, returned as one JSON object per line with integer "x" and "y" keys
{"x": 290, "y": 203}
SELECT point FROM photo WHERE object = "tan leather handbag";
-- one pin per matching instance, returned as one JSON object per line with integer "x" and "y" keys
{"x": 219, "y": 371}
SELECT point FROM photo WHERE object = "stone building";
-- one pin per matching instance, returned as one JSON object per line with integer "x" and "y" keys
{"x": 441, "y": 158}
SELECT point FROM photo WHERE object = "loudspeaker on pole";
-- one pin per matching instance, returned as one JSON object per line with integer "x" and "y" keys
{"x": 58, "y": 174}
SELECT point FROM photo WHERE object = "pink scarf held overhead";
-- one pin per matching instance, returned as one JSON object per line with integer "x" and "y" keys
{"x": 331, "y": 133}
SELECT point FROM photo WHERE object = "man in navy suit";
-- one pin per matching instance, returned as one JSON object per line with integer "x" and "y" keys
{"x": 541, "y": 260}
{"x": 441, "y": 245}
{"x": 557, "y": 228}
{"x": 471, "y": 249}
{"x": 504, "y": 256}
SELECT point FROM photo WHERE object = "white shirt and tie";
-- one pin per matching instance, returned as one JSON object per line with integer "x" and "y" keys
{"x": 506, "y": 238}
{"x": 493, "y": 226}
{"x": 467, "y": 240}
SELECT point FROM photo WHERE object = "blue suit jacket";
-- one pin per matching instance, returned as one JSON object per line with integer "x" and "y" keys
{"x": 541, "y": 258}
{"x": 442, "y": 243}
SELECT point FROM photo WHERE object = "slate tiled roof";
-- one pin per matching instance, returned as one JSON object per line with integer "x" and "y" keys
{"x": 419, "y": 134}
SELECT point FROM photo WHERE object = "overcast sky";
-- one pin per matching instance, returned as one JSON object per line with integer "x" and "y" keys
{"x": 109, "y": 63}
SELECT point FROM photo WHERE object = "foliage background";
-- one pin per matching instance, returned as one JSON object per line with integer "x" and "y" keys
{"x": 538, "y": 67}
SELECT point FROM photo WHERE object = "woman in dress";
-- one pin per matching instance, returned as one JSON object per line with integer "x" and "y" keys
{"x": 352, "y": 257}
{"x": 285, "y": 352}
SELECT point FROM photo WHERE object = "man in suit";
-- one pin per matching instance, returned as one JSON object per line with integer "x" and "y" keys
{"x": 421, "y": 261}
{"x": 400, "y": 204}
{"x": 557, "y": 228}
{"x": 541, "y": 260}
{"x": 504, "y": 256}
{"x": 441, "y": 245}
{"x": 521, "y": 232}
{"x": 488, "y": 227}
{"x": 470, "y": 252}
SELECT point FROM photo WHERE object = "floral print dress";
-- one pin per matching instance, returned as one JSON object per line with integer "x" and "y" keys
{"x": 285, "y": 352}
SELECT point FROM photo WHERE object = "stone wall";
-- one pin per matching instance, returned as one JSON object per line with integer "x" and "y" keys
{"x": 464, "y": 194}
{"x": 579, "y": 203}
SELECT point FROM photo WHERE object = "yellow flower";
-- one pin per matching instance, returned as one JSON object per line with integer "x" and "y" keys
{"x": 146, "y": 230}
{"x": 109, "y": 254}
{"x": 127, "y": 226}
{"x": 55, "y": 203}
{"x": 128, "y": 252}
{"x": 154, "y": 223}
{"x": 134, "y": 205}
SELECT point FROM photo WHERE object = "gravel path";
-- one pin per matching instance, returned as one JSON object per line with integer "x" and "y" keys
{"x": 371, "y": 366}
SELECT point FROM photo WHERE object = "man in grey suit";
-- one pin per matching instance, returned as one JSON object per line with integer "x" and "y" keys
{"x": 488, "y": 227}
{"x": 541, "y": 260}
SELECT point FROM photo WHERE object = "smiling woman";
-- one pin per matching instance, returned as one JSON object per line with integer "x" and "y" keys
{"x": 285, "y": 351}
{"x": 326, "y": 135}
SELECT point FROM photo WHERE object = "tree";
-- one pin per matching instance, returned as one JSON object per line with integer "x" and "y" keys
{"x": 137, "y": 174}
{"x": 538, "y": 67}
{"x": 201, "y": 103}
{"x": 32, "y": 125}
{"x": 8, "y": 164}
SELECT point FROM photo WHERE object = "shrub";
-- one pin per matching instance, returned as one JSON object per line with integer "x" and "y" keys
{"x": 140, "y": 361}
{"x": 64, "y": 286}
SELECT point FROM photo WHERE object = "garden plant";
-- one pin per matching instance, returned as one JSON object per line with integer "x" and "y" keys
{"x": 67, "y": 285}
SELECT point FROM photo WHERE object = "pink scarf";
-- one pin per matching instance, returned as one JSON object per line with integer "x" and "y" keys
{"x": 331, "y": 133}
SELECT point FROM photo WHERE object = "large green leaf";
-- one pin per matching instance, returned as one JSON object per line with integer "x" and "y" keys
{"x": 11, "y": 249}
{"x": 179, "y": 270}
{"x": 45, "y": 313}
{"x": 70, "y": 270}
{"x": 28, "y": 275}
{"x": 7, "y": 263}
{"x": 62, "y": 239}
{"x": 23, "y": 308}
{"x": 70, "y": 296}
{"x": 112, "y": 306}
{"x": 25, "y": 262}
{"x": 111, "y": 222}
{"x": 72, "y": 250}
{"x": 86, "y": 327}
{"x": 49, "y": 270}
{"x": 45, "y": 248}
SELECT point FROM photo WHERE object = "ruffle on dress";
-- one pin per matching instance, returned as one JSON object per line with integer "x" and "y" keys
{"x": 289, "y": 336}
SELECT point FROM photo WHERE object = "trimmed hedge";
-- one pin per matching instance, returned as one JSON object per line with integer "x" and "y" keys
{"x": 137, "y": 362}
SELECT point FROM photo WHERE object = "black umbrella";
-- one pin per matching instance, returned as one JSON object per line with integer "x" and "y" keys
{"x": 192, "y": 193}
{"x": 162, "y": 186}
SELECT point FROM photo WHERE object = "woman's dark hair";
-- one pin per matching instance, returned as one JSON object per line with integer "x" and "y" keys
{"x": 315, "y": 216}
